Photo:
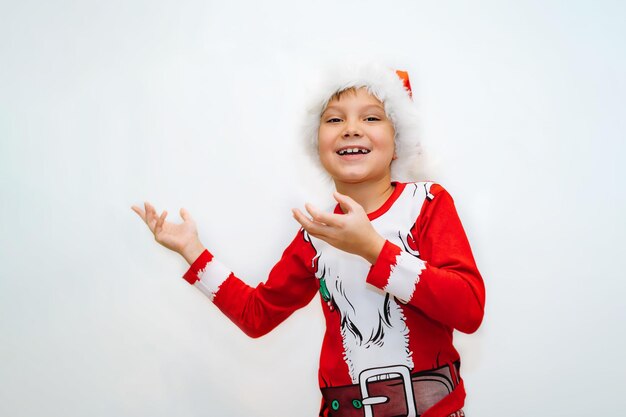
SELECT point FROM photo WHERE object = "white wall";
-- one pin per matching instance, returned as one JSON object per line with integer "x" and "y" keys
{"x": 195, "y": 104}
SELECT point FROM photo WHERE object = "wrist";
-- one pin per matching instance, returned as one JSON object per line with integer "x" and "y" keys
{"x": 374, "y": 249}
{"x": 192, "y": 251}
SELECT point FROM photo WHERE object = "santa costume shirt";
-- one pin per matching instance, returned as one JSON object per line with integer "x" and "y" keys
{"x": 396, "y": 314}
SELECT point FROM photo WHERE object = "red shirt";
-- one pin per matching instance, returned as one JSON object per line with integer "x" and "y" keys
{"x": 401, "y": 310}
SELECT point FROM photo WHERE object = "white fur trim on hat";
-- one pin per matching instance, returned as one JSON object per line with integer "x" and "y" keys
{"x": 386, "y": 86}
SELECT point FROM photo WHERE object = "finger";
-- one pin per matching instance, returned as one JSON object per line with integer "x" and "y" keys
{"x": 315, "y": 229}
{"x": 346, "y": 201}
{"x": 149, "y": 209}
{"x": 153, "y": 213}
{"x": 146, "y": 205}
{"x": 329, "y": 219}
{"x": 151, "y": 216}
{"x": 159, "y": 224}
{"x": 140, "y": 212}
{"x": 305, "y": 222}
{"x": 184, "y": 214}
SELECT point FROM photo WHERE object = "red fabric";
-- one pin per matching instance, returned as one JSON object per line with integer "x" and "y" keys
{"x": 398, "y": 189}
{"x": 381, "y": 270}
{"x": 289, "y": 287}
{"x": 450, "y": 289}
{"x": 404, "y": 76}
{"x": 191, "y": 276}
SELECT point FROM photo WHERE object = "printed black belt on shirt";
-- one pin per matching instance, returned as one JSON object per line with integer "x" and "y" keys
{"x": 382, "y": 393}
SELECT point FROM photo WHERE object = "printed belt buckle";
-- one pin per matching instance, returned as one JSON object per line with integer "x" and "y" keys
{"x": 368, "y": 401}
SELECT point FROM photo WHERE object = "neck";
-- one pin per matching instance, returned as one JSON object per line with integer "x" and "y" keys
{"x": 370, "y": 195}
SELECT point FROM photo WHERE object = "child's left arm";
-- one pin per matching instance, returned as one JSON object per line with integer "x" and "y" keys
{"x": 443, "y": 281}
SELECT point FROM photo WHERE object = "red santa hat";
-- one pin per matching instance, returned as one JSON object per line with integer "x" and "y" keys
{"x": 389, "y": 86}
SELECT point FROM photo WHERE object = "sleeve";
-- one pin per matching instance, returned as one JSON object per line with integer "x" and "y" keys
{"x": 291, "y": 285}
{"x": 443, "y": 280}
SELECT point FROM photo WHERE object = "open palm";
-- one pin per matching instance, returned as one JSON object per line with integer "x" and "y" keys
{"x": 173, "y": 236}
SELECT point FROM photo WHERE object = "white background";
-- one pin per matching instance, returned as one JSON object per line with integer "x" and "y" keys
{"x": 196, "y": 104}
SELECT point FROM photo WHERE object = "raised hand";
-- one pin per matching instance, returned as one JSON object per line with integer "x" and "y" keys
{"x": 351, "y": 232}
{"x": 181, "y": 238}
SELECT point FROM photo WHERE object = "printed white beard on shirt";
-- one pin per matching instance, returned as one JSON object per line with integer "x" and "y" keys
{"x": 373, "y": 326}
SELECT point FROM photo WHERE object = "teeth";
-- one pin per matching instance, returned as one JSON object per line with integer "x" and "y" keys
{"x": 349, "y": 151}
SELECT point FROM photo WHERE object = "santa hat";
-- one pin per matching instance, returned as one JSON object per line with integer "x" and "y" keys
{"x": 392, "y": 88}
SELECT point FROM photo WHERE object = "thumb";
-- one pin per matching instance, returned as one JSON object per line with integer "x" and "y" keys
{"x": 346, "y": 201}
{"x": 184, "y": 214}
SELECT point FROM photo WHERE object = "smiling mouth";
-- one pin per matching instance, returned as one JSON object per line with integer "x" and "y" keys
{"x": 353, "y": 151}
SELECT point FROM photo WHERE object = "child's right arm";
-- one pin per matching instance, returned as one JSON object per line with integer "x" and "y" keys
{"x": 291, "y": 283}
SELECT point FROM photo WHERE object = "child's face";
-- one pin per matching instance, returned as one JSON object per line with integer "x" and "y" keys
{"x": 356, "y": 120}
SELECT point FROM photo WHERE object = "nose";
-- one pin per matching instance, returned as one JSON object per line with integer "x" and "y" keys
{"x": 352, "y": 129}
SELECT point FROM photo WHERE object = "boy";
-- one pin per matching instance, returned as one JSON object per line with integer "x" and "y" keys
{"x": 392, "y": 264}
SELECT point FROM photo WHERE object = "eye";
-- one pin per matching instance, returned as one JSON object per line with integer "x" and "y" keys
{"x": 372, "y": 119}
{"x": 333, "y": 120}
